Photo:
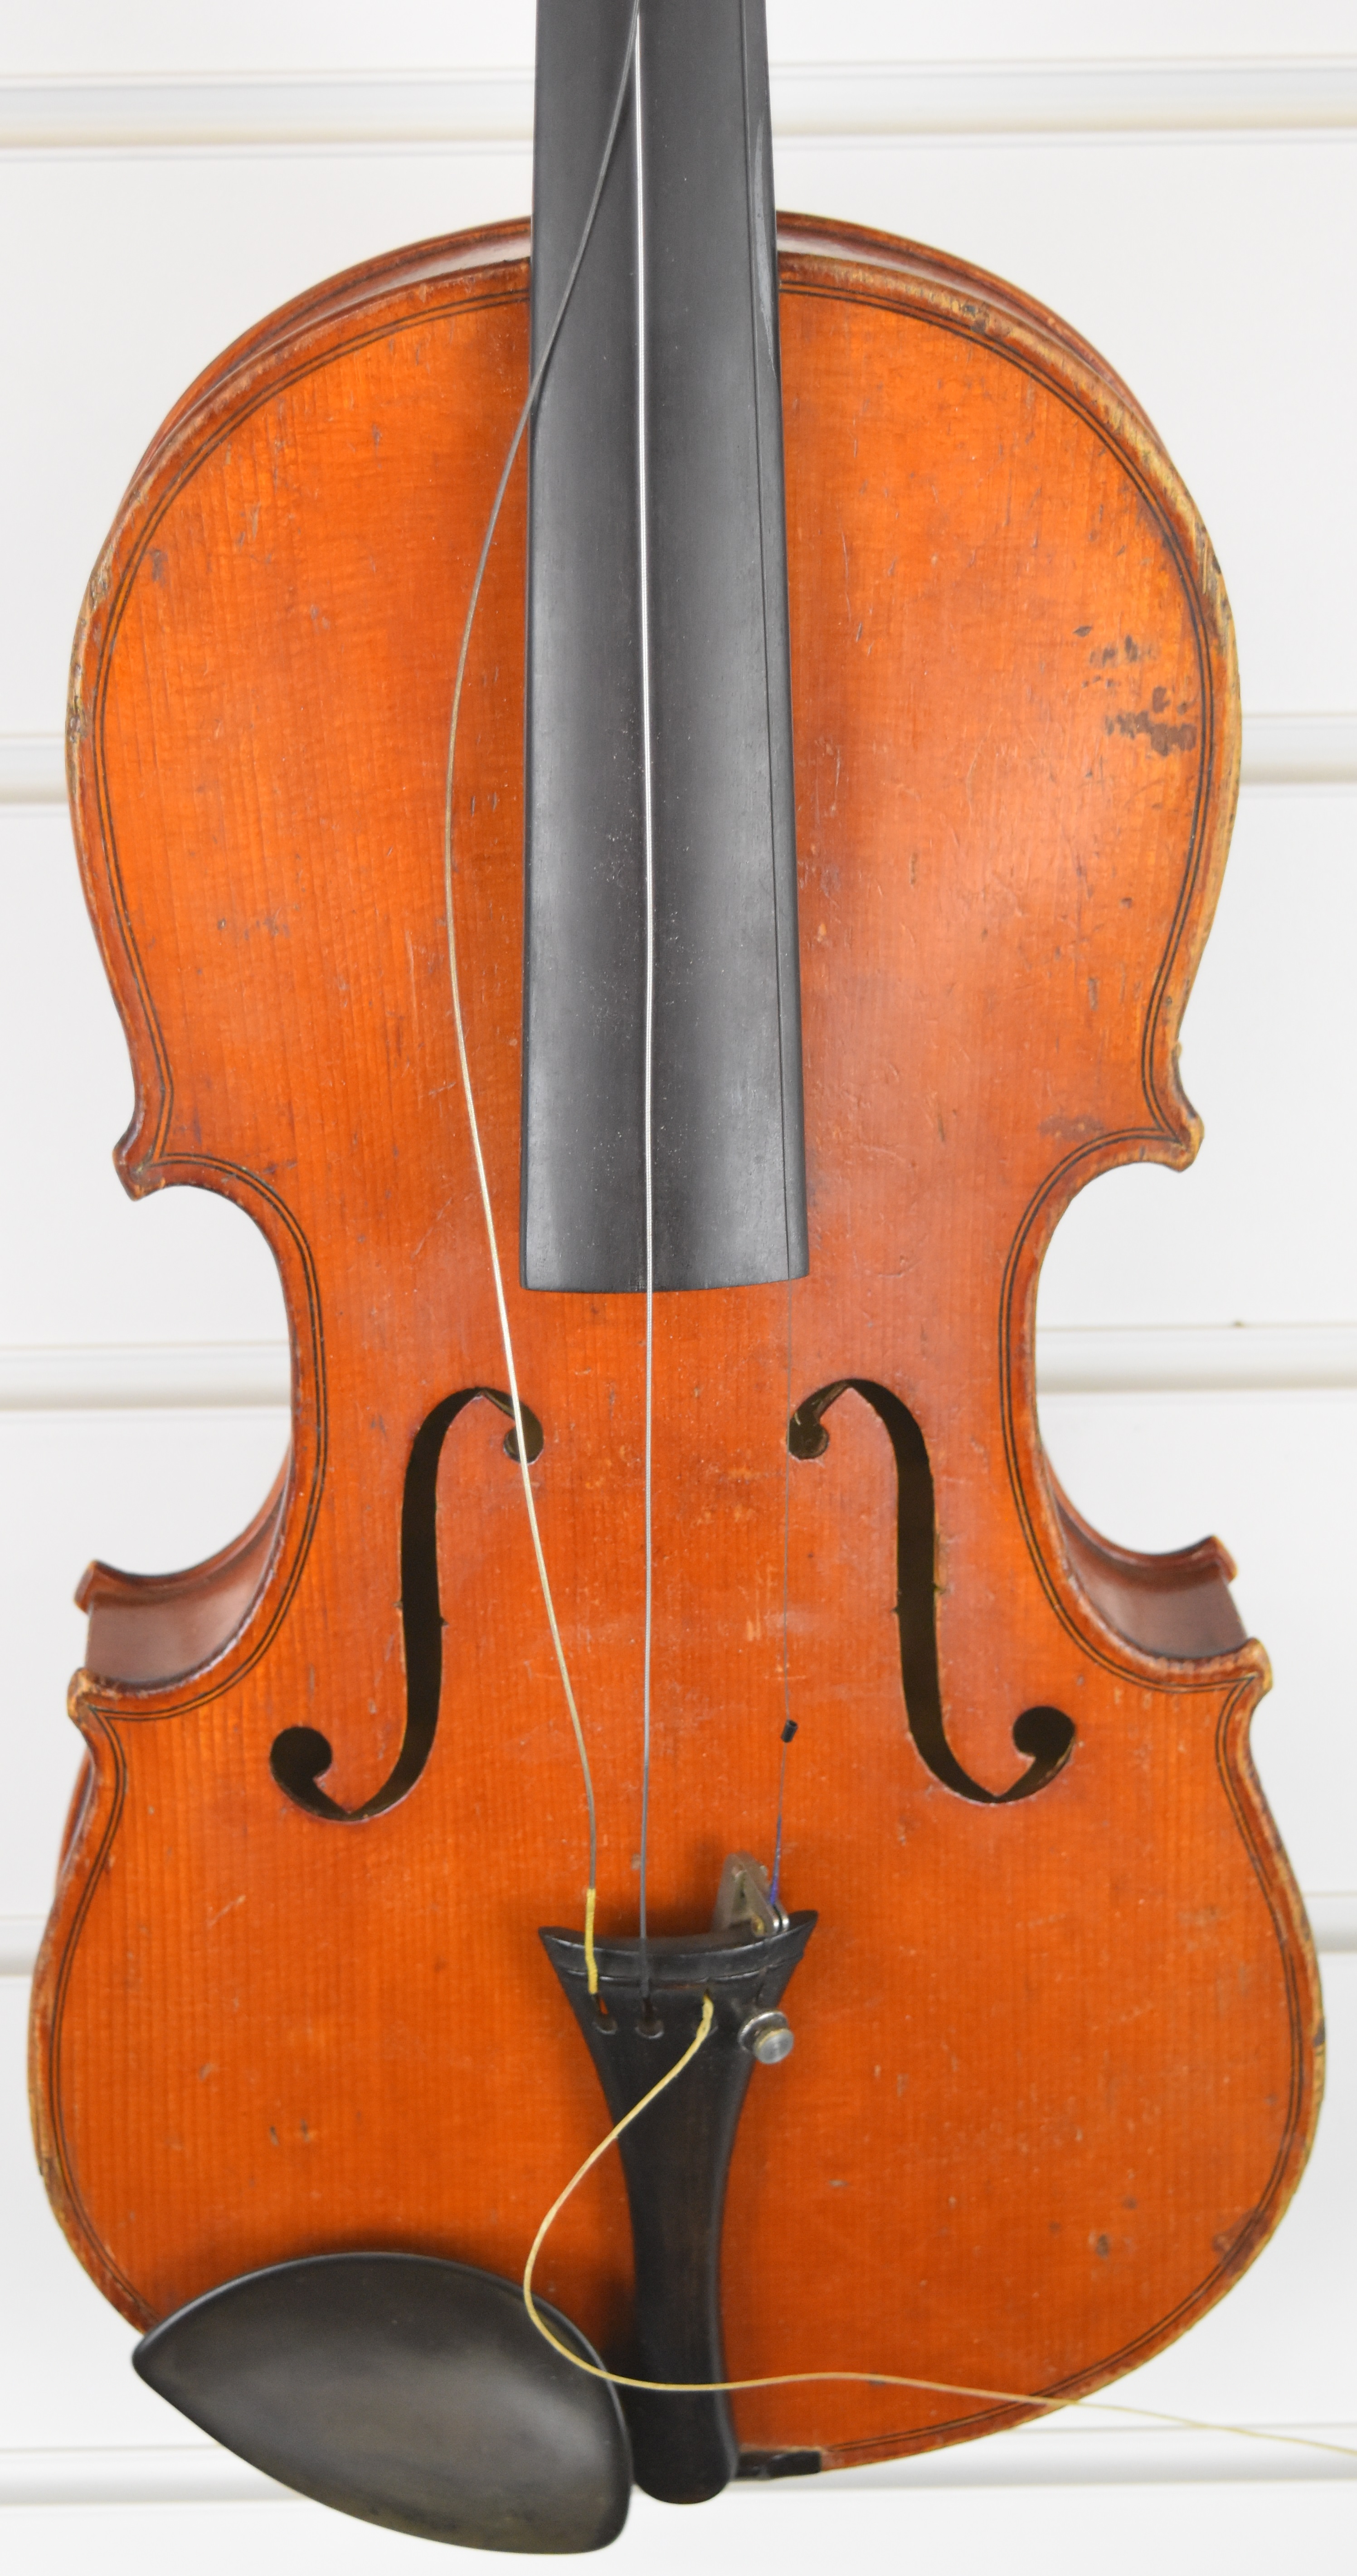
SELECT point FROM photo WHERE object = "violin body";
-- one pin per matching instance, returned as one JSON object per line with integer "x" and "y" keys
{"x": 1056, "y": 2071}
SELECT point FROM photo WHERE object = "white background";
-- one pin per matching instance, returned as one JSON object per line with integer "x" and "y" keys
{"x": 1182, "y": 186}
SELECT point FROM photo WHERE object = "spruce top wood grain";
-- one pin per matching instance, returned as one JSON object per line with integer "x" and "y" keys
{"x": 1056, "y": 2070}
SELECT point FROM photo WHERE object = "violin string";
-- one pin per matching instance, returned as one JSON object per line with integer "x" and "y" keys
{"x": 468, "y": 1094}
{"x": 788, "y": 1721}
{"x": 753, "y": 184}
{"x": 854, "y": 2378}
{"x": 648, "y": 1119}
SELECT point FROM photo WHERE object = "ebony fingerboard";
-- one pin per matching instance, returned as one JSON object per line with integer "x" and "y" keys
{"x": 658, "y": 555}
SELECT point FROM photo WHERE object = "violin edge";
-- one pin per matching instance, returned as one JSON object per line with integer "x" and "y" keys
{"x": 1176, "y": 1145}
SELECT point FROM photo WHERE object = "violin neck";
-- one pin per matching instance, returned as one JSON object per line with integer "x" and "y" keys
{"x": 661, "y": 1002}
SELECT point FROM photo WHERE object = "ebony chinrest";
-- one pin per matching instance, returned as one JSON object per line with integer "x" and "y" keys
{"x": 412, "y": 2393}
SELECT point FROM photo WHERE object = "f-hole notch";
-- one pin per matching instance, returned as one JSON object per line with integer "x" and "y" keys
{"x": 301, "y": 1755}
{"x": 1044, "y": 1735}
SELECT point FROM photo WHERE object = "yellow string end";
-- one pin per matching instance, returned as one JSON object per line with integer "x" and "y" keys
{"x": 558, "y": 2204}
{"x": 590, "y": 1962}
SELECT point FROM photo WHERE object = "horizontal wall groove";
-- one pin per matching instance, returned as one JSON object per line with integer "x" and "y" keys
{"x": 1195, "y": 1359}
{"x": 1150, "y": 1359}
{"x": 1279, "y": 751}
{"x": 131, "y": 1377}
{"x": 32, "y": 769}
{"x": 1037, "y": 2456}
{"x": 168, "y": 2473}
{"x": 1299, "y": 751}
{"x": 810, "y": 100}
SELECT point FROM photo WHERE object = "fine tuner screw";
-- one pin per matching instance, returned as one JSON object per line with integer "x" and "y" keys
{"x": 768, "y": 2036}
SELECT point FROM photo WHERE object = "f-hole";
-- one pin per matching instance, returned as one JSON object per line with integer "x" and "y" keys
{"x": 1044, "y": 1735}
{"x": 301, "y": 1754}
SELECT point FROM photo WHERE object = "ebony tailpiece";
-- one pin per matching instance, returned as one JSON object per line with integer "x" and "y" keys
{"x": 675, "y": 2159}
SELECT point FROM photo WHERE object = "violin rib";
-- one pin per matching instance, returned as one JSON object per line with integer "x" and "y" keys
{"x": 1057, "y": 2054}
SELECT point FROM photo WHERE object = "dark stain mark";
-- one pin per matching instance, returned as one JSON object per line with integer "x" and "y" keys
{"x": 1158, "y": 701}
{"x": 1131, "y": 649}
{"x": 1083, "y": 630}
{"x": 1102, "y": 2247}
{"x": 159, "y": 560}
{"x": 1162, "y": 738}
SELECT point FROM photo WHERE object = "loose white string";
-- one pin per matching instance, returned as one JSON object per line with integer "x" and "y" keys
{"x": 468, "y": 1094}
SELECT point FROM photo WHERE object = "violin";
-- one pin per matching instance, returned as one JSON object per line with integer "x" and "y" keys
{"x": 843, "y": 767}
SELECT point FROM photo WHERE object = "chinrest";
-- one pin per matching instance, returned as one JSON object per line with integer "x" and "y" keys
{"x": 410, "y": 2392}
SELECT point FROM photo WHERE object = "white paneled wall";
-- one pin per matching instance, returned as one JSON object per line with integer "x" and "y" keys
{"x": 1183, "y": 186}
